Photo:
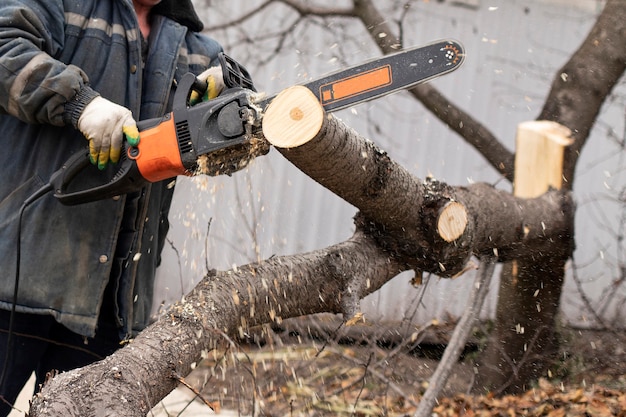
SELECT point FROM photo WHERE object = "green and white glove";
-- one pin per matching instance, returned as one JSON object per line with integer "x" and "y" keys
{"x": 215, "y": 84}
{"x": 104, "y": 124}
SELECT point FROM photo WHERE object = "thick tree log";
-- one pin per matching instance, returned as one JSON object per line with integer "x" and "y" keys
{"x": 398, "y": 204}
{"x": 399, "y": 228}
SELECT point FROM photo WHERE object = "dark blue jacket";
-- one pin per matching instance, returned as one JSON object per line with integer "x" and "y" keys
{"x": 56, "y": 52}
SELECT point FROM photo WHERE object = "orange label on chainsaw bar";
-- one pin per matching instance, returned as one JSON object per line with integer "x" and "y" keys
{"x": 356, "y": 84}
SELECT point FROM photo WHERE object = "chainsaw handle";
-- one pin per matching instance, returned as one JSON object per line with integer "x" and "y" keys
{"x": 166, "y": 149}
{"x": 126, "y": 179}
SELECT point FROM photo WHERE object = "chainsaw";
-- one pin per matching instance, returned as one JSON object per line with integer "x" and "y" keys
{"x": 171, "y": 145}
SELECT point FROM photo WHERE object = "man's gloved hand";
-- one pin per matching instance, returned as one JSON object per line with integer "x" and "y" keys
{"x": 104, "y": 123}
{"x": 215, "y": 84}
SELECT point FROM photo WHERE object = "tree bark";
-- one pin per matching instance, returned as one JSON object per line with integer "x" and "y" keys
{"x": 396, "y": 231}
{"x": 523, "y": 343}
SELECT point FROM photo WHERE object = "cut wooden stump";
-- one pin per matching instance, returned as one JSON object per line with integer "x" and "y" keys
{"x": 304, "y": 121}
{"x": 539, "y": 157}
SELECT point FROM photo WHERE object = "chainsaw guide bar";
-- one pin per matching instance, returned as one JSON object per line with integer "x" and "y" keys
{"x": 387, "y": 74}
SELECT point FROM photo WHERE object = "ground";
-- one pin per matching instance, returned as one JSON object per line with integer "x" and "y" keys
{"x": 309, "y": 368}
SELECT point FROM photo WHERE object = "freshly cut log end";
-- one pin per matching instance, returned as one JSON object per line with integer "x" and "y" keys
{"x": 452, "y": 221}
{"x": 539, "y": 157}
{"x": 293, "y": 118}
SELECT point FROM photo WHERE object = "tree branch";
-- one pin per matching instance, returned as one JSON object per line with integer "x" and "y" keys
{"x": 304, "y": 9}
{"x": 241, "y": 19}
{"x": 459, "y": 337}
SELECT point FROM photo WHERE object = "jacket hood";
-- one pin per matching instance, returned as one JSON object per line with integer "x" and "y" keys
{"x": 181, "y": 11}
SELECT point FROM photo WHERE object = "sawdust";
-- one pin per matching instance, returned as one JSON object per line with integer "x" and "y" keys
{"x": 229, "y": 160}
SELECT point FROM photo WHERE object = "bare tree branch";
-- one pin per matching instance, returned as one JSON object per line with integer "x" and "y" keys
{"x": 241, "y": 19}
{"x": 459, "y": 337}
{"x": 304, "y": 9}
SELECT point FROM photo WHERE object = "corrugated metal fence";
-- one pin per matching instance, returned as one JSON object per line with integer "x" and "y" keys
{"x": 513, "y": 50}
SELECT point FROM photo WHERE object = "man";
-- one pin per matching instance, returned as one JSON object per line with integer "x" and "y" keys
{"x": 74, "y": 73}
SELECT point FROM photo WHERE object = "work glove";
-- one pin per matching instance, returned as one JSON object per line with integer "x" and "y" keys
{"x": 104, "y": 124}
{"x": 215, "y": 84}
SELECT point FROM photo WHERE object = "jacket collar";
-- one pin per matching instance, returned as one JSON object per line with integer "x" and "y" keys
{"x": 181, "y": 11}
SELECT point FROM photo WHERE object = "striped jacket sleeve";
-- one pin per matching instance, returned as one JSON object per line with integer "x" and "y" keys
{"x": 34, "y": 86}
